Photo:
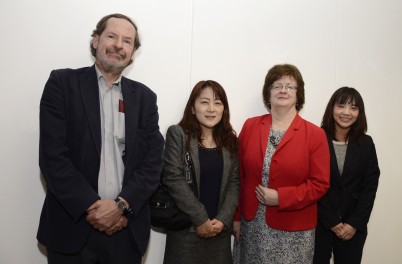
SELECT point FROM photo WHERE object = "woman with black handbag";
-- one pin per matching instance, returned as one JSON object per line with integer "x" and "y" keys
{"x": 206, "y": 134}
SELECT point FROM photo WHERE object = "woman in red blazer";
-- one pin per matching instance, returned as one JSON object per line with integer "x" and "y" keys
{"x": 284, "y": 170}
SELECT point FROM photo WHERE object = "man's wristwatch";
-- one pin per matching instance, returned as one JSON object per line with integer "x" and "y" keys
{"x": 121, "y": 205}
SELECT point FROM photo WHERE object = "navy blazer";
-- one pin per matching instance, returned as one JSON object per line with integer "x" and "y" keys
{"x": 350, "y": 198}
{"x": 69, "y": 156}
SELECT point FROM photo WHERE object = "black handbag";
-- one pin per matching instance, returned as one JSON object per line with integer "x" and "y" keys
{"x": 164, "y": 211}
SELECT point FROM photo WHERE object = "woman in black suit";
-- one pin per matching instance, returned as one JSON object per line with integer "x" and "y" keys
{"x": 343, "y": 213}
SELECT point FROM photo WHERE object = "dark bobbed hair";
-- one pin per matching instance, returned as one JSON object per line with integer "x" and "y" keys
{"x": 277, "y": 72}
{"x": 223, "y": 133}
{"x": 345, "y": 95}
{"x": 101, "y": 26}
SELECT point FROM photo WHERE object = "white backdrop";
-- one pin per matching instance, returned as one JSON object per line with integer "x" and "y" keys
{"x": 333, "y": 43}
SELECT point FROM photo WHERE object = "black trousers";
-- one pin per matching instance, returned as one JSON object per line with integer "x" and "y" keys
{"x": 345, "y": 252}
{"x": 101, "y": 249}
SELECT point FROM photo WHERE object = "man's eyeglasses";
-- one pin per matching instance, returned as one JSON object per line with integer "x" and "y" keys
{"x": 288, "y": 87}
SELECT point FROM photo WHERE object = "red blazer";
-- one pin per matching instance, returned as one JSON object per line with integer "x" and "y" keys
{"x": 299, "y": 171}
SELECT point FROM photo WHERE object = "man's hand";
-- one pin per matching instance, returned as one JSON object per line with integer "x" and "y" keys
{"x": 121, "y": 223}
{"x": 103, "y": 214}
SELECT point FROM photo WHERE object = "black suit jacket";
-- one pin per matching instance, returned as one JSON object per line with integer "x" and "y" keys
{"x": 350, "y": 198}
{"x": 69, "y": 156}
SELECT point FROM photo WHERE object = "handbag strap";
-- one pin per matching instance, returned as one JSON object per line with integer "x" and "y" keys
{"x": 190, "y": 173}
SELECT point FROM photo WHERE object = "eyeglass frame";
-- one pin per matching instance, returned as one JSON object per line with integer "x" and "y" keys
{"x": 279, "y": 86}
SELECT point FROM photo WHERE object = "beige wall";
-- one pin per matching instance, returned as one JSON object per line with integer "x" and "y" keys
{"x": 334, "y": 43}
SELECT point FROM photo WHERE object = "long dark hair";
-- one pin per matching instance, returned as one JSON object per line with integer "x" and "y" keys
{"x": 223, "y": 133}
{"x": 345, "y": 95}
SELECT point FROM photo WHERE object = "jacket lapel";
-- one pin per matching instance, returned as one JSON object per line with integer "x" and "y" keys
{"x": 196, "y": 160}
{"x": 90, "y": 97}
{"x": 131, "y": 106}
{"x": 265, "y": 127}
{"x": 225, "y": 173}
{"x": 333, "y": 160}
{"x": 350, "y": 158}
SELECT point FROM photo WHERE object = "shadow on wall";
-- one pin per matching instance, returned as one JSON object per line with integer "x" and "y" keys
{"x": 42, "y": 180}
{"x": 42, "y": 248}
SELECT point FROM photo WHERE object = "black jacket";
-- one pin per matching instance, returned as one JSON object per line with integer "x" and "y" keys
{"x": 69, "y": 156}
{"x": 351, "y": 195}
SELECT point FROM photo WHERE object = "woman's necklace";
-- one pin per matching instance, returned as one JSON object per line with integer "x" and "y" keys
{"x": 274, "y": 138}
{"x": 208, "y": 143}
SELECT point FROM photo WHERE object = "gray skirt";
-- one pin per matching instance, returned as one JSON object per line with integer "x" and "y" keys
{"x": 185, "y": 247}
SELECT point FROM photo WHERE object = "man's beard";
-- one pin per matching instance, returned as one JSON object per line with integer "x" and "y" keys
{"x": 113, "y": 65}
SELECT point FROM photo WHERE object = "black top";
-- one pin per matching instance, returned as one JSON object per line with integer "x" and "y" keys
{"x": 211, "y": 168}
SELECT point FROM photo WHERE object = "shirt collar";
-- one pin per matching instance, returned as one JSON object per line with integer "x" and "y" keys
{"x": 100, "y": 75}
